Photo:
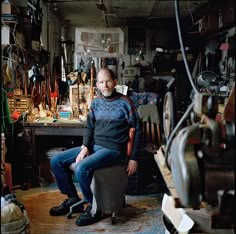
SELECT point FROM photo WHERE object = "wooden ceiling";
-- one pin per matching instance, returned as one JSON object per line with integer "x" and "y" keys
{"x": 116, "y": 13}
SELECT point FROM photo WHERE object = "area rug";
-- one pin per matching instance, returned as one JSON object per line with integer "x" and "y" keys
{"x": 142, "y": 214}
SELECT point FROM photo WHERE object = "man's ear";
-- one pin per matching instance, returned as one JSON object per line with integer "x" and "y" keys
{"x": 115, "y": 81}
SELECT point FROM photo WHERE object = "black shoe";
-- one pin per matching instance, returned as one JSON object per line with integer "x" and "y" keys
{"x": 64, "y": 208}
{"x": 87, "y": 218}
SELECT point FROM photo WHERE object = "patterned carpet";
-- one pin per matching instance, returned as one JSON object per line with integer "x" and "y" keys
{"x": 142, "y": 214}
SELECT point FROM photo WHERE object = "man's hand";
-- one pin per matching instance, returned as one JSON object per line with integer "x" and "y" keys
{"x": 132, "y": 167}
{"x": 83, "y": 153}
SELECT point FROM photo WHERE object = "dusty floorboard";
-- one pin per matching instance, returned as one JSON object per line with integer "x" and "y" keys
{"x": 142, "y": 214}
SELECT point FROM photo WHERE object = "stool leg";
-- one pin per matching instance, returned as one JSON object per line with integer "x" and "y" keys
{"x": 69, "y": 215}
{"x": 113, "y": 218}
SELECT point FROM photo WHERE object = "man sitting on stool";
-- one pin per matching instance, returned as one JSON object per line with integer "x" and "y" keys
{"x": 110, "y": 117}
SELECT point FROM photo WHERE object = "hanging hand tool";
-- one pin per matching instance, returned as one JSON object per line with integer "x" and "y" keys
{"x": 54, "y": 90}
{"x": 35, "y": 93}
{"x": 19, "y": 80}
{"x": 26, "y": 78}
{"x": 92, "y": 76}
{"x": 36, "y": 80}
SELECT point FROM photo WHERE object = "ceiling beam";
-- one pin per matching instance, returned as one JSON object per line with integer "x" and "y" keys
{"x": 67, "y": 1}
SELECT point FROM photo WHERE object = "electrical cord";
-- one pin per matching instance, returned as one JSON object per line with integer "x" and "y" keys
{"x": 190, "y": 107}
{"x": 190, "y": 12}
{"x": 182, "y": 47}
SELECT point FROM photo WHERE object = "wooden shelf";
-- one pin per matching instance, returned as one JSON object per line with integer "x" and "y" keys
{"x": 166, "y": 173}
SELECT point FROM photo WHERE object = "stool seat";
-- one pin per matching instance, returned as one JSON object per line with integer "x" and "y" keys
{"x": 109, "y": 186}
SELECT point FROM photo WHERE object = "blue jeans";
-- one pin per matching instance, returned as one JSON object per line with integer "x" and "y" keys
{"x": 99, "y": 157}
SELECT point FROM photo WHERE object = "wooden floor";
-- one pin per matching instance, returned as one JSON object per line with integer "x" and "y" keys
{"x": 142, "y": 214}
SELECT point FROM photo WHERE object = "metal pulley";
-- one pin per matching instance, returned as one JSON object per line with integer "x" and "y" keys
{"x": 169, "y": 114}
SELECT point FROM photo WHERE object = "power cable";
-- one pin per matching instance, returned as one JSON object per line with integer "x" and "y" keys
{"x": 190, "y": 107}
{"x": 182, "y": 47}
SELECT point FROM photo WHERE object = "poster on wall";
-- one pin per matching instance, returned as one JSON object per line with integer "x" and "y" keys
{"x": 101, "y": 42}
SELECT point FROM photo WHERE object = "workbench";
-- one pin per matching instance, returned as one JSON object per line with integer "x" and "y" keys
{"x": 57, "y": 128}
{"x": 30, "y": 139}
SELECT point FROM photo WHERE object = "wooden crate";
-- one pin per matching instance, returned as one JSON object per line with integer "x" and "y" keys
{"x": 19, "y": 103}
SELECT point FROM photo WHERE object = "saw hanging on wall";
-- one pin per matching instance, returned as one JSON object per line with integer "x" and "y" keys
{"x": 54, "y": 88}
{"x": 36, "y": 77}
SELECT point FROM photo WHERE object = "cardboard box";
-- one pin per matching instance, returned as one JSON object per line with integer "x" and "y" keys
{"x": 178, "y": 217}
{"x": 20, "y": 39}
{"x": 5, "y": 37}
{"x": 8, "y": 9}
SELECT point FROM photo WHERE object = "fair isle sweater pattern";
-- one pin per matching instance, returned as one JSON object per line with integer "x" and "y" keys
{"x": 109, "y": 121}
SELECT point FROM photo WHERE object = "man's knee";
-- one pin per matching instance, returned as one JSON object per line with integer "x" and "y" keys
{"x": 81, "y": 170}
{"x": 54, "y": 161}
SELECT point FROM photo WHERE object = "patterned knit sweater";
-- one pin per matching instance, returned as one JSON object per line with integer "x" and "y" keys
{"x": 109, "y": 121}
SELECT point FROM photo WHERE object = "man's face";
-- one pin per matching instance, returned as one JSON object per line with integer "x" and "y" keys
{"x": 105, "y": 83}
